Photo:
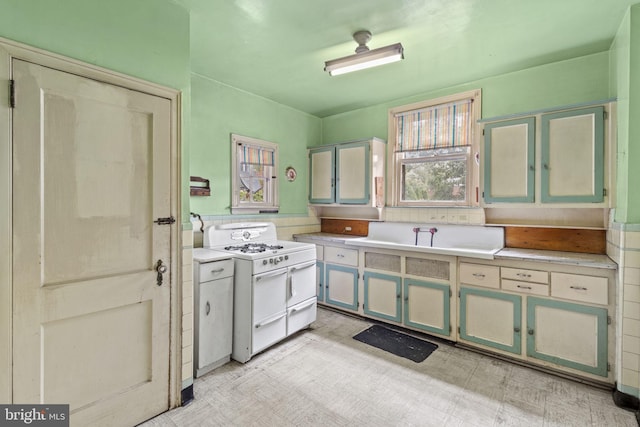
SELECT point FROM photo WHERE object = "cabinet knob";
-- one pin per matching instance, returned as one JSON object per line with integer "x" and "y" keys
{"x": 530, "y": 331}
{"x": 532, "y": 168}
{"x": 516, "y": 329}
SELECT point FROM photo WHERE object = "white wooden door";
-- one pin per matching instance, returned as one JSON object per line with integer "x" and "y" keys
{"x": 91, "y": 171}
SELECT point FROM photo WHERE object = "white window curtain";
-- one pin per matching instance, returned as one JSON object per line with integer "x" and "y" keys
{"x": 439, "y": 126}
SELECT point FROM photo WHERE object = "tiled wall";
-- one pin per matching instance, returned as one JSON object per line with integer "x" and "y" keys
{"x": 623, "y": 246}
{"x": 474, "y": 216}
{"x": 187, "y": 307}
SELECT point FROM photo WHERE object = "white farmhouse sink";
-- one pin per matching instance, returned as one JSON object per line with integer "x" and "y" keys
{"x": 458, "y": 240}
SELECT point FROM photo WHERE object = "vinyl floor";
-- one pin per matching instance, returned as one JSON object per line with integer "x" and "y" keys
{"x": 323, "y": 377}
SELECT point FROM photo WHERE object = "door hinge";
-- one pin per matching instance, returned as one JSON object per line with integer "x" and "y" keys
{"x": 483, "y": 132}
{"x": 605, "y": 115}
{"x": 449, "y": 329}
{"x": 458, "y": 294}
{"x": 608, "y": 320}
{"x": 604, "y": 192}
{"x": 458, "y": 329}
{"x": 450, "y": 293}
{"x": 12, "y": 93}
{"x": 608, "y": 367}
{"x": 165, "y": 221}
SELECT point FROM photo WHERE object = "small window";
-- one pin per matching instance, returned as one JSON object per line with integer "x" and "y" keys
{"x": 254, "y": 180}
{"x": 432, "y": 148}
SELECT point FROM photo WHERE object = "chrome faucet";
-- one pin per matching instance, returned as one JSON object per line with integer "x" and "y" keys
{"x": 431, "y": 230}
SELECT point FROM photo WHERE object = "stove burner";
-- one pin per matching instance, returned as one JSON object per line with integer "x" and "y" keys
{"x": 252, "y": 248}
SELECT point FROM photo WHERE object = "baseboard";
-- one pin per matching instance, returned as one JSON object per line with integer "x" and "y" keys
{"x": 187, "y": 395}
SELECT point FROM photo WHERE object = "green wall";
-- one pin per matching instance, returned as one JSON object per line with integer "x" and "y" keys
{"x": 217, "y": 112}
{"x": 625, "y": 84}
{"x": 148, "y": 39}
{"x": 567, "y": 82}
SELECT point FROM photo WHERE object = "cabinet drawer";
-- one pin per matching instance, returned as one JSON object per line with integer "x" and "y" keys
{"x": 216, "y": 270}
{"x": 341, "y": 255}
{"x": 525, "y": 287}
{"x": 577, "y": 287}
{"x": 524, "y": 275}
{"x": 487, "y": 276}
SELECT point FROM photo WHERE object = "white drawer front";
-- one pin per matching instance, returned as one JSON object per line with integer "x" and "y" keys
{"x": 487, "y": 276}
{"x": 341, "y": 255}
{"x": 525, "y": 287}
{"x": 577, "y": 287}
{"x": 216, "y": 270}
{"x": 524, "y": 275}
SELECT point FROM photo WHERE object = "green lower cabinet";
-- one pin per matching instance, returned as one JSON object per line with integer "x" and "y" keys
{"x": 491, "y": 318}
{"x": 382, "y": 296}
{"x": 567, "y": 334}
{"x": 341, "y": 286}
{"x": 427, "y": 306}
{"x": 320, "y": 281}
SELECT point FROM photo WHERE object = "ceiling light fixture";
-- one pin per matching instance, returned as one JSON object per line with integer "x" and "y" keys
{"x": 364, "y": 58}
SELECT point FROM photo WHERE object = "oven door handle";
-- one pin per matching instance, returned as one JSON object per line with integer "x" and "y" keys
{"x": 271, "y": 274}
{"x": 270, "y": 321}
{"x": 303, "y": 266}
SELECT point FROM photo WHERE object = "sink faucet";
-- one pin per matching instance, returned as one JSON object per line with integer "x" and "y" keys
{"x": 431, "y": 230}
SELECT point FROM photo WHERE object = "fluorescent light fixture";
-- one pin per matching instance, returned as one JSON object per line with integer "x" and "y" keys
{"x": 364, "y": 58}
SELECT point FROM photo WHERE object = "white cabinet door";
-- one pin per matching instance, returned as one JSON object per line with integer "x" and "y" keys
{"x": 341, "y": 286}
{"x": 491, "y": 318}
{"x": 214, "y": 323}
{"x": 427, "y": 306}
{"x": 573, "y": 156}
{"x": 567, "y": 334}
{"x": 509, "y": 167}
{"x": 353, "y": 174}
{"x": 322, "y": 175}
{"x": 382, "y": 296}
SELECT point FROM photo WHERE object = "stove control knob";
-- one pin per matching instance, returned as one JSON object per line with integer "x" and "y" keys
{"x": 276, "y": 261}
{"x": 264, "y": 262}
{"x": 271, "y": 261}
{"x": 280, "y": 257}
{"x": 286, "y": 257}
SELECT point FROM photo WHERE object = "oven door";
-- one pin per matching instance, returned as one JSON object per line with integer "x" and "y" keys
{"x": 269, "y": 309}
{"x": 302, "y": 282}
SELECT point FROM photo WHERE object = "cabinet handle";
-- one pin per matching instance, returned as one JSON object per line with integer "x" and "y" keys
{"x": 478, "y": 275}
{"x": 579, "y": 288}
{"x": 526, "y": 276}
{"x": 545, "y": 166}
{"x": 217, "y": 270}
{"x": 530, "y": 331}
{"x": 524, "y": 287}
{"x": 532, "y": 168}
{"x": 398, "y": 296}
{"x": 207, "y": 308}
{"x": 406, "y": 298}
{"x": 339, "y": 256}
{"x": 516, "y": 329}
{"x": 267, "y": 322}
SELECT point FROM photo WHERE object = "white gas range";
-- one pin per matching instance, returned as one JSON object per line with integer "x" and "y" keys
{"x": 274, "y": 284}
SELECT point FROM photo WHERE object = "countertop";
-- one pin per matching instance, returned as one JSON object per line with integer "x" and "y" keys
{"x": 557, "y": 257}
{"x": 209, "y": 255}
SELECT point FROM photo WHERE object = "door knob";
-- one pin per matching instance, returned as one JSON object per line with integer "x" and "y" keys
{"x": 161, "y": 268}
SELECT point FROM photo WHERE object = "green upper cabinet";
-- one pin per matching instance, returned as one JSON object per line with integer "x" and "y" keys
{"x": 573, "y": 156}
{"x": 509, "y": 170}
{"x": 546, "y": 157}
{"x": 347, "y": 174}
{"x": 322, "y": 175}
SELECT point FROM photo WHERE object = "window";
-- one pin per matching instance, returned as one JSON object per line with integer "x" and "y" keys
{"x": 432, "y": 145}
{"x": 254, "y": 166}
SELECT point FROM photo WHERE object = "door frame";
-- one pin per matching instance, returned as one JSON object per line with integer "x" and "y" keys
{"x": 8, "y": 51}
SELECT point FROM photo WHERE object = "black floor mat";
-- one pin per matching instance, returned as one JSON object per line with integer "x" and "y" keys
{"x": 400, "y": 344}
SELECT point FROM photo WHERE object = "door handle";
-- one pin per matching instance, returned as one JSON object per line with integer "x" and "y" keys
{"x": 160, "y": 268}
